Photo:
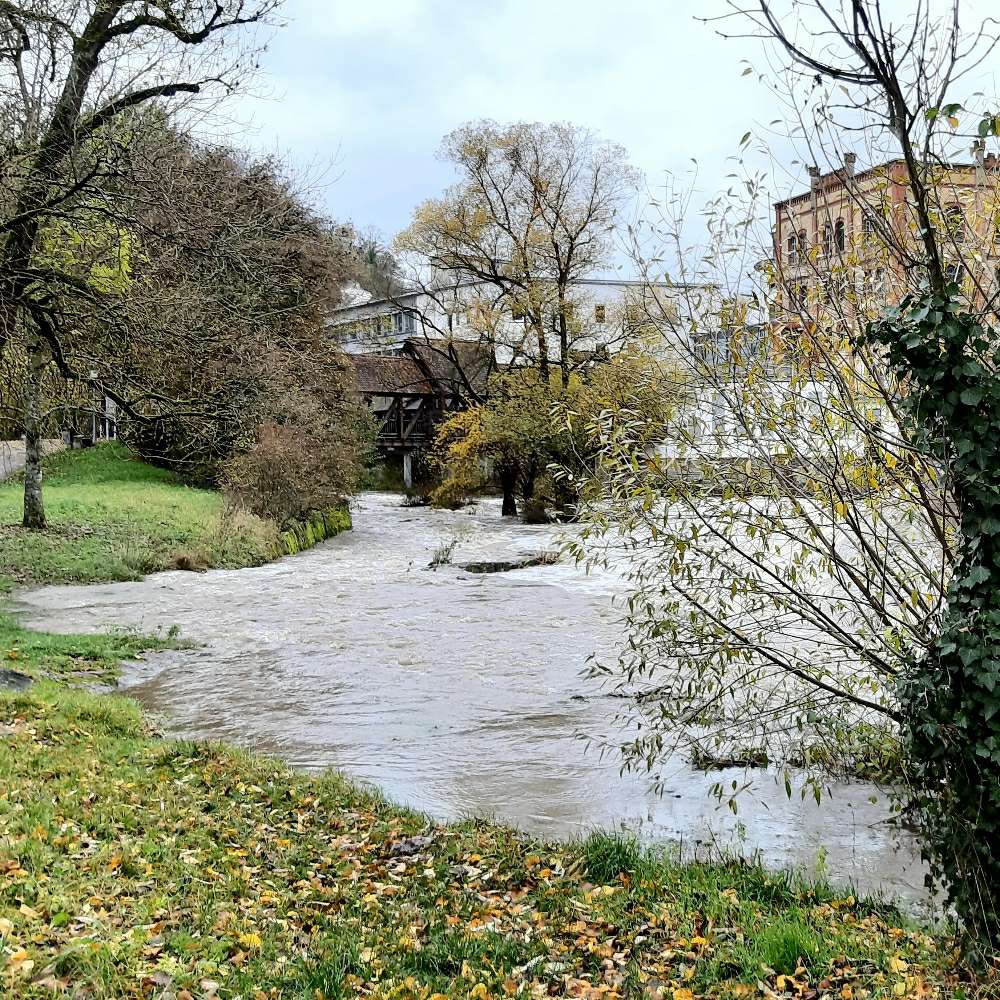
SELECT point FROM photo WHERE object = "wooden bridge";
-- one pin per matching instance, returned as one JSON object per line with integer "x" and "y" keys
{"x": 412, "y": 389}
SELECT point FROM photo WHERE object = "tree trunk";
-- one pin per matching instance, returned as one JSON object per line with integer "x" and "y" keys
{"x": 508, "y": 483}
{"x": 563, "y": 339}
{"x": 533, "y": 509}
{"x": 34, "y": 508}
{"x": 538, "y": 322}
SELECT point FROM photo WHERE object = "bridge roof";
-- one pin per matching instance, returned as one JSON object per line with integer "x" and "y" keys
{"x": 393, "y": 375}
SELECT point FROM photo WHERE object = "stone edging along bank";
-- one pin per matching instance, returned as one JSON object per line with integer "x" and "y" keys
{"x": 304, "y": 535}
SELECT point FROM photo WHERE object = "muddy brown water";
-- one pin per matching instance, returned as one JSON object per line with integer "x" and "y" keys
{"x": 459, "y": 694}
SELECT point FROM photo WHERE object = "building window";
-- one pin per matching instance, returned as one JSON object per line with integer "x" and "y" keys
{"x": 828, "y": 239}
{"x": 796, "y": 246}
{"x": 397, "y": 322}
{"x": 600, "y": 314}
{"x": 840, "y": 236}
{"x": 869, "y": 227}
{"x": 954, "y": 219}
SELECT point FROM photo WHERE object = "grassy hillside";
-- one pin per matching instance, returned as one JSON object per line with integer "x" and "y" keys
{"x": 112, "y": 517}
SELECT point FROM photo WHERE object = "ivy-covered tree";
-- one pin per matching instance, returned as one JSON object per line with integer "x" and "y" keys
{"x": 893, "y": 83}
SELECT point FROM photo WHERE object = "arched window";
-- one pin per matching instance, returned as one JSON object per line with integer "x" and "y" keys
{"x": 840, "y": 236}
{"x": 827, "y": 239}
{"x": 793, "y": 254}
{"x": 869, "y": 227}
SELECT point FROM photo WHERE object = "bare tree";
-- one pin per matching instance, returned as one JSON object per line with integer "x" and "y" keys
{"x": 71, "y": 70}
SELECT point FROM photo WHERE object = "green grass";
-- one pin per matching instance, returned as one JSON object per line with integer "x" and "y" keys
{"x": 133, "y": 866}
{"x": 112, "y": 517}
{"x": 92, "y": 658}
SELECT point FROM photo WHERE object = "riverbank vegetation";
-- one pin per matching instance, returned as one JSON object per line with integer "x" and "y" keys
{"x": 113, "y": 517}
{"x": 151, "y": 278}
{"x": 531, "y": 436}
{"x": 134, "y": 866}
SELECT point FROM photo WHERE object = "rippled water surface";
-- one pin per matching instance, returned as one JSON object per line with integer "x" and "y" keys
{"x": 455, "y": 693}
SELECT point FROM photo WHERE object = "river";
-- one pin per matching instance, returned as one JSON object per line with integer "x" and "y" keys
{"x": 455, "y": 693}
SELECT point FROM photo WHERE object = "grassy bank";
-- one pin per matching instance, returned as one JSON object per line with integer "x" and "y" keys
{"x": 133, "y": 867}
{"x": 112, "y": 517}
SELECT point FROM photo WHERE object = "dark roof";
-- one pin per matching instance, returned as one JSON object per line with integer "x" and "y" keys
{"x": 451, "y": 364}
{"x": 376, "y": 374}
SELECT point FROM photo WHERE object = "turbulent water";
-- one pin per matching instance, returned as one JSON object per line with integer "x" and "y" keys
{"x": 459, "y": 694}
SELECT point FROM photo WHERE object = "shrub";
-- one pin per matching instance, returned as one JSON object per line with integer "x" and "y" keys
{"x": 305, "y": 459}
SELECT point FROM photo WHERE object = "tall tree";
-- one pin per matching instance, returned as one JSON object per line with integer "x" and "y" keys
{"x": 223, "y": 326}
{"x": 71, "y": 70}
{"x": 535, "y": 208}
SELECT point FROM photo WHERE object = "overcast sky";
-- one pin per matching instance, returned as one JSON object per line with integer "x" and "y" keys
{"x": 362, "y": 91}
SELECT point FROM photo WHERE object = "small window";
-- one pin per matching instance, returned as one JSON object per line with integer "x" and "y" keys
{"x": 600, "y": 314}
{"x": 828, "y": 239}
{"x": 869, "y": 227}
{"x": 397, "y": 322}
{"x": 793, "y": 249}
{"x": 840, "y": 236}
{"x": 954, "y": 219}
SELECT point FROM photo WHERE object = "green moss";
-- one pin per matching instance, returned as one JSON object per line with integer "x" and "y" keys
{"x": 306, "y": 534}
